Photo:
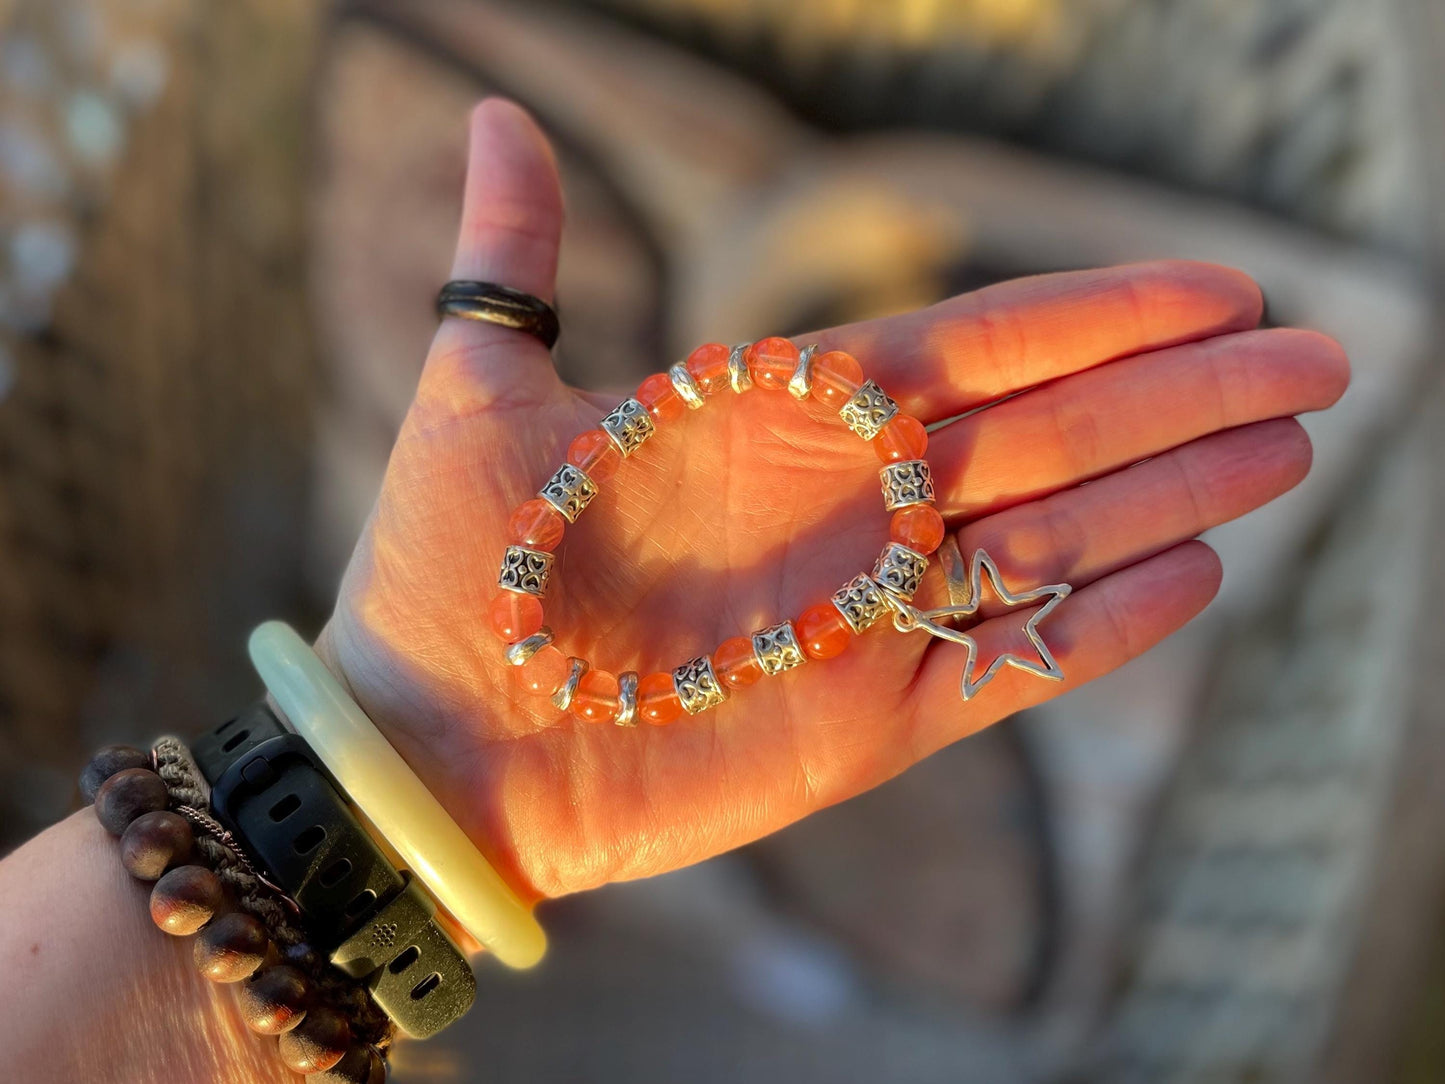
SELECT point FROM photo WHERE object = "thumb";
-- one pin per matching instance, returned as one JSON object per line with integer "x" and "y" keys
{"x": 510, "y": 231}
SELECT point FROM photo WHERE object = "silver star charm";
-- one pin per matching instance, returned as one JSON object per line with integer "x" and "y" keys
{"x": 966, "y": 595}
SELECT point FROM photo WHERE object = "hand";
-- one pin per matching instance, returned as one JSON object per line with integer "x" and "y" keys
{"x": 744, "y": 513}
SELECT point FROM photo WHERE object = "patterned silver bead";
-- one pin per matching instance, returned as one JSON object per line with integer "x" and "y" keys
{"x": 697, "y": 686}
{"x": 909, "y": 482}
{"x": 860, "y": 601}
{"x": 629, "y": 424}
{"x": 562, "y": 698}
{"x": 569, "y": 491}
{"x": 800, "y": 384}
{"x": 777, "y": 648}
{"x": 739, "y": 375}
{"x": 525, "y": 571}
{"x": 900, "y": 570}
{"x": 626, "y": 698}
{"x": 522, "y": 651}
{"x": 685, "y": 385}
{"x": 868, "y": 411}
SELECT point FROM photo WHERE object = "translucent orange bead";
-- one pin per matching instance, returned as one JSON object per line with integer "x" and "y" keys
{"x": 771, "y": 362}
{"x": 596, "y": 697}
{"x": 660, "y": 398}
{"x": 545, "y": 671}
{"x": 919, "y": 527}
{"x": 515, "y": 616}
{"x": 594, "y": 454}
{"x": 537, "y": 524}
{"x": 708, "y": 365}
{"x": 836, "y": 376}
{"x": 657, "y": 700}
{"x": 902, "y": 438}
{"x": 735, "y": 663}
{"x": 822, "y": 631}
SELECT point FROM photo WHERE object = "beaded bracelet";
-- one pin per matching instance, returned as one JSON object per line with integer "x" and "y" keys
{"x": 326, "y": 1025}
{"x": 822, "y": 631}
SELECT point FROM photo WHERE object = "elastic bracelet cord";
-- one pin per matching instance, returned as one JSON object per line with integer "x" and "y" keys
{"x": 257, "y": 896}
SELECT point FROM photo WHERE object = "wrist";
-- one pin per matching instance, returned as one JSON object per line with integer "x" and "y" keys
{"x": 418, "y": 718}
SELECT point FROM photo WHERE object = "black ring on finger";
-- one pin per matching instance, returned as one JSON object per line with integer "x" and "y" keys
{"x": 494, "y": 304}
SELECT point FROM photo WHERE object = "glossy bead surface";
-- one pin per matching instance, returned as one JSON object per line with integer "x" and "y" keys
{"x": 708, "y": 365}
{"x": 106, "y": 762}
{"x": 823, "y": 632}
{"x": 902, "y": 438}
{"x": 515, "y": 616}
{"x": 536, "y": 525}
{"x": 736, "y": 663}
{"x": 596, "y": 698}
{"x": 545, "y": 671}
{"x": 185, "y": 899}
{"x": 359, "y": 1065}
{"x": 126, "y": 795}
{"x": 273, "y": 1000}
{"x": 657, "y": 700}
{"x": 316, "y": 1043}
{"x": 594, "y": 454}
{"x": 231, "y": 948}
{"x": 919, "y": 527}
{"x": 772, "y": 362}
{"x": 836, "y": 376}
{"x": 154, "y": 842}
{"x": 660, "y": 398}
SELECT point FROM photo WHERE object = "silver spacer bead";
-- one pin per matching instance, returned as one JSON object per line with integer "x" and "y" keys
{"x": 685, "y": 385}
{"x": 868, "y": 411}
{"x": 522, "y": 651}
{"x": 562, "y": 698}
{"x": 627, "y": 698}
{"x": 739, "y": 375}
{"x": 697, "y": 686}
{"x": 900, "y": 570}
{"x": 569, "y": 491}
{"x": 861, "y": 603}
{"x": 800, "y": 384}
{"x": 628, "y": 425}
{"x": 906, "y": 483}
{"x": 777, "y": 648}
{"x": 525, "y": 571}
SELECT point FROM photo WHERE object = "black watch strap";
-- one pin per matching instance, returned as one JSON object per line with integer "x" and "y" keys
{"x": 271, "y": 789}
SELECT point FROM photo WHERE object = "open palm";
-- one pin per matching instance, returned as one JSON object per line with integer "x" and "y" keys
{"x": 742, "y": 514}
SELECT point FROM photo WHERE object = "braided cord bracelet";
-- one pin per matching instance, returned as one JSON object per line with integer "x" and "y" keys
{"x": 823, "y": 631}
{"x": 247, "y": 929}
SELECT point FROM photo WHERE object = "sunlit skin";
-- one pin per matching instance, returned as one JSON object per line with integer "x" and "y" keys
{"x": 736, "y": 516}
{"x": 749, "y": 511}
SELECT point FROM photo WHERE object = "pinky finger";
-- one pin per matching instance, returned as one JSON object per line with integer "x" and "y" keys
{"x": 1093, "y": 631}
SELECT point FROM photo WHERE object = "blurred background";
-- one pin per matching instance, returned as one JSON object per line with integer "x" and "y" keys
{"x": 221, "y": 226}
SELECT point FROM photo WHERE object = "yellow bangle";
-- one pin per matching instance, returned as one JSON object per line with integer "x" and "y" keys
{"x": 381, "y": 785}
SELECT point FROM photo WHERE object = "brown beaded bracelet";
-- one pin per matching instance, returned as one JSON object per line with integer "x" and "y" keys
{"x": 326, "y": 1025}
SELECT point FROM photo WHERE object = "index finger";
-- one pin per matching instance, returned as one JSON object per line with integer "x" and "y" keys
{"x": 977, "y": 347}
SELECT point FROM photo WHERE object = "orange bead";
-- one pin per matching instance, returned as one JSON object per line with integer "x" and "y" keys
{"x": 515, "y": 616}
{"x": 708, "y": 365}
{"x": 657, "y": 700}
{"x": 660, "y": 398}
{"x": 822, "y": 631}
{"x": 902, "y": 438}
{"x": 537, "y": 524}
{"x": 771, "y": 362}
{"x": 735, "y": 663}
{"x": 594, "y": 454}
{"x": 836, "y": 376}
{"x": 596, "y": 697}
{"x": 919, "y": 527}
{"x": 545, "y": 671}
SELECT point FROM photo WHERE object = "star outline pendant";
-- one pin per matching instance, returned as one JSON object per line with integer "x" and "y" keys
{"x": 1047, "y": 667}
